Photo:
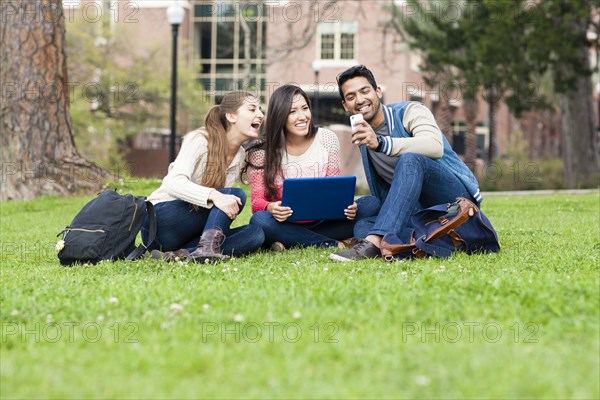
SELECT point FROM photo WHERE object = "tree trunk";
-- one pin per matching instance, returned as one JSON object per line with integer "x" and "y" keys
{"x": 493, "y": 131}
{"x": 579, "y": 145}
{"x": 470, "y": 108}
{"x": 445, "y": 117}
{"x": 38, "y": 153}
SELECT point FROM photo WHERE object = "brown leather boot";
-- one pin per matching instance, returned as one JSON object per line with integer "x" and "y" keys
{"x": 209, "y": 247}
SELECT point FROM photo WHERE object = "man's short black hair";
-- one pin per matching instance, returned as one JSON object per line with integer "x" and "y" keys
{"x": 353, "y": 72}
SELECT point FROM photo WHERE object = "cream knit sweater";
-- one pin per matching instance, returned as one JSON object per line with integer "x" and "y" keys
{"x": 183, "y": 181}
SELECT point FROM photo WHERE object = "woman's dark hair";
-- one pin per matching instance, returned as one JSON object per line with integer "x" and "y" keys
{"x": 273, "y": 144}
{"x": 353, "y": 72}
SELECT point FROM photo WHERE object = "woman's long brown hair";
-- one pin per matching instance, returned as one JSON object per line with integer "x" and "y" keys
{"x": 217, "y": 125}
{"x": 278, "y": 111}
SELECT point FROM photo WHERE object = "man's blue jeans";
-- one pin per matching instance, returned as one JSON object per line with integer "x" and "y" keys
{"x": 317, "y": 233}
{"x": 419, "y": 182}
{"x": 180, "y": 225}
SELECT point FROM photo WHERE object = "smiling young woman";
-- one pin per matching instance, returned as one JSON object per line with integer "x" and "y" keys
{"x": 195, "y": 205}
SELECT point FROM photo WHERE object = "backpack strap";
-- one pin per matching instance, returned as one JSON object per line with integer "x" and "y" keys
{"x": 141, "y": 249}
{"x": 466, "y": 209}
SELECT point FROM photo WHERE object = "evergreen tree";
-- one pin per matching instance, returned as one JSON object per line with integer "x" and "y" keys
{"x": 505, "y": 48}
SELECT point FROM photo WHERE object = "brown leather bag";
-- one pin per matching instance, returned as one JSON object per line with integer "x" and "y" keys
{"x": 441, "y": 230}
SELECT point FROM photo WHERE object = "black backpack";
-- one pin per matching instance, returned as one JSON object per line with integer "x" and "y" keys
{"x": 106, "y": 228}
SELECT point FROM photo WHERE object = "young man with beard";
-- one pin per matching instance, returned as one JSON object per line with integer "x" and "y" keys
{"x": 408, "y": 162}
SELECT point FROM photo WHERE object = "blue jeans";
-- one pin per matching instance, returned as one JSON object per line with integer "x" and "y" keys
{"x": 419, "y": 182}
{"x": 179, "y": 225}
{"x": 317, "y": 233}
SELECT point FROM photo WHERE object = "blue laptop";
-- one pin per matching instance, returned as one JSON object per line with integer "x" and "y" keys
{"x": 318, "y": 198}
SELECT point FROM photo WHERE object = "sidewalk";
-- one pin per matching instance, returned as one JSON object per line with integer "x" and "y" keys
{"x": 539, "y": 192}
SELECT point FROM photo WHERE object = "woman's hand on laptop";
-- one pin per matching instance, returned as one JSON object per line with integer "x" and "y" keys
{"x": 350, "y": 212}
{"x": 279, "y": 213}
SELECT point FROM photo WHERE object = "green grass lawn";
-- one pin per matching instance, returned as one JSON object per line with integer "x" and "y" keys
{"x": 523, "y": 323}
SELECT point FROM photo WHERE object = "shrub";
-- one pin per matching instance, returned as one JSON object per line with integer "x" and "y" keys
{"x": 510, "y": 174}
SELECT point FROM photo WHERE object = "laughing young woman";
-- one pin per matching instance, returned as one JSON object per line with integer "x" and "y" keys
{"x": 295, "y": 147}
{"x": 195, "y": 205}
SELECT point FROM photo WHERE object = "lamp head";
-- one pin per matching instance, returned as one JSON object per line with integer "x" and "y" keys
{"x": 316, "y": 65}
{"x": 175, "y": 14}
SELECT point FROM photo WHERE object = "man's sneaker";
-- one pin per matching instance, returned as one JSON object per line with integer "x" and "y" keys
{"x": 350, "y": 242}
{"x": 362, "y": 249}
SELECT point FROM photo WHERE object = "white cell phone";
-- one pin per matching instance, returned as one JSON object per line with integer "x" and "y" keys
{"x": 354, "y": 119}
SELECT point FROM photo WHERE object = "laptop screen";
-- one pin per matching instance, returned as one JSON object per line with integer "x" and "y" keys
{"x": 318, "y": 198}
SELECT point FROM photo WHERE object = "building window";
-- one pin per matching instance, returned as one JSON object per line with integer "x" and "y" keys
{"x": 459, "y": 129}
{"x": 328, "y": 41}
{"x": 347, "y": 46}
{"x": 337, "y": 40}
{"x": 229, "y": 47}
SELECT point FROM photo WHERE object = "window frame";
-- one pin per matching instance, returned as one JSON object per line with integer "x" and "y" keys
{"x": 337, "y": 61}
{"x": 215, "y": 74}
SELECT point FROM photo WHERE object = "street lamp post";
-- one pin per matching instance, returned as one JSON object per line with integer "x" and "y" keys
{"x": 316, "y": 66}
{"x": 175, "y": 15}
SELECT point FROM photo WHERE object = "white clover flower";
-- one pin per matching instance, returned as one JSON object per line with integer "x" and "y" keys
{"x": 100, "y": 318}
{"x": 296, "y": 314}
{"x": 175, "y": 307}
{"x": 422, "y": 380}
{"x": 59, "y": 245}
{"x": 114, "y": 301}
{"x": 14, "y": 313}
{"x": 165, "y": 325}
{"x": 205, "y": 307}
{"x": 235, "y": 269}
{"x": 238, "y": 317}
{"x": 325, "y": 269}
